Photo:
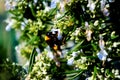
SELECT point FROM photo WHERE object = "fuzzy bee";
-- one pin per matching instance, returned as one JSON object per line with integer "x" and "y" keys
{"x": 55, "y": 39}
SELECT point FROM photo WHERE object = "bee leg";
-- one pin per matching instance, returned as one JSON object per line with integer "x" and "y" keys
{"x": 56, "y": 60}
{"x": 60, "y": 54}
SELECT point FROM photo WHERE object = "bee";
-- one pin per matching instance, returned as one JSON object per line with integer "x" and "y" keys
{"x": 54, "y": 39}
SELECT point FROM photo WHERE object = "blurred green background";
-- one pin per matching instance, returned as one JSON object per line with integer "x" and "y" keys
{"x": 7, "y": 38}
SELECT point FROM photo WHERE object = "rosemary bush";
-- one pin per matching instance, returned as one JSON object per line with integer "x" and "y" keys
{"x": 68, "y": 39}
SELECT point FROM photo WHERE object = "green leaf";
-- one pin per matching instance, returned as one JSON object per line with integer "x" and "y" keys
{"x": 34, "y": 38}
{"x": 76, "y": 47}
{"x": 95, "y": 73}
{"x": 53, "y": 12}
{"x": 94, "y": 47}
{"x": 113, "y": 36}
{"x": 63, "y": 15}
{"x": 32, "y": 9}
{"x": 32, "y": 59}
{"x": 72, "y": 71}
{"x": 76, "y": 75}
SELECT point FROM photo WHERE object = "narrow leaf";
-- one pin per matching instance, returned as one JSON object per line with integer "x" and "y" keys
{"x": 32, "y": 59}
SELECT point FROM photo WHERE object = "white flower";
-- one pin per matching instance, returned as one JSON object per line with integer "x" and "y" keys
{"x": 47, "y": 78}
{"x": 27, "y": 77}
{"x": 35, "y": 1}
{"x": 53, "y": 3}
{"x": 118, "y": 76}
{"x": 102, "y": 70}
{"x": 38, "y": 50}
{"x": 57, "y": 63}
{"x": 10, "y": 4}
{"x": 22, "y": 25}
{"x": 47, "y": 8}
{"x": 83, "y": 8}
{"x": 70, "y": 61}
{"x": 111, "y": 1}
{"x": 74, "y": 54}
{"x": 105, "y": 78}
{"x": 50, "y": 55}
{"x": 44, "y": 72}
{"x": 62, "y": 6}
{"x": 18, "y": 34}
{"x": 86, "y": 24}
{"x": 70, "y": 44}
{"x": 8, "y": 27}
{"x": 99, "y": 76}
{"x": 96, "y": 23}
{"x": 91, "y": 5}
{"x": 10, "y": 23}
{"x": 7, "y": 59}
{"x": 13, "y": 63}
{"x": 57, "y": 15}
{"x": 59, "y": 35}
{"x": 26, "y": 66}
{"x": 77, "y": 31}
{"x": 83, "y": 59}
{"x": 88, "y": 34}
{"x": 102, "y": 55}
{"x": 109, "y": 59}
{"x": 103, "y": 2}
{"x": 64, "y": 53}
{"x": 105, "y": 12}
{"x": 26, "y": 20}
{"x": 115, "y": 44}
{"x": 19, "y": 47}
{"x": 113, "y": 70}
{"x": 37, "y": 58}
{"x": 116, "y": 72}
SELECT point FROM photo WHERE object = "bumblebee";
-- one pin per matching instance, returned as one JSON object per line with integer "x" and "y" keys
{"x": 55, "y": 39}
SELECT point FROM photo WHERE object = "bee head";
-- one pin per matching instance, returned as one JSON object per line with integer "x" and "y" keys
{"x": 48, "y": 36}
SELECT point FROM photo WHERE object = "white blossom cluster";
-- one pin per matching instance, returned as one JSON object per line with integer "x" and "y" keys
{"x": 40, "y": 68}
{"x": 10, "y": 4}
{"x": 102, "y": 55}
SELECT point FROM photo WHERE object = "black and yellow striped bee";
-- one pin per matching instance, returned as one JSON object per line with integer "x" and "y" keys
{"x": 54, "y": 39}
